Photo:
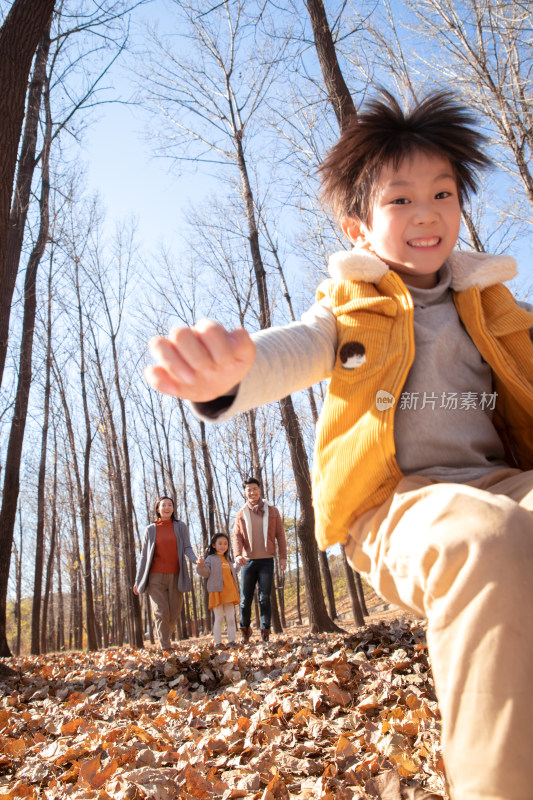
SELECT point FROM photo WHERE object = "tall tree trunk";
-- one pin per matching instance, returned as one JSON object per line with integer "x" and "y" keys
{"x": 187, "y": 520}
{"x": 129, "y": 554}
{"x": 200, "y": 501}
{"x": 36, "y": 637}
{"x": 305, "y": 529}
{"x": 298, "y": 586}
{"x": 18, "y": 425}
{"x": 360, "y": 593}
{"x": 276, "y": 619}
{"x": 338, "y": 93}
{"x": 318, "y": 615}
{"x": 60, "y": 638}
{"x": 352, "y": 591}
{"x": 475, "y": 239}
{"x": 209, "y": 484}
{"x": 18, "y": 575}
{"x": 19, "y": 36}
{"x": 90, "y": 619}
{"x": 100, "y": 605}
{"x": 257, "y": 469}
{"x": 76, "y": 605}
{"x": 328, "y": 582}
{"x": 75, "y": 633}
{"x": 342, "y": 103}
{"x": 51, "y": 559}
{"x": 120, "y": 526}
{"x": 324, "y": 563}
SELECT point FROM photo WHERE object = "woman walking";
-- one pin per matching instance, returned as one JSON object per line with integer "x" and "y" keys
{"x": 162, "y": 572}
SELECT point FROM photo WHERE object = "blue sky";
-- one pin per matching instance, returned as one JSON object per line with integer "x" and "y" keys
{"x": 132, "y": 182}
{"x": 129, "y": 180}
{"x": 120, "y": 163}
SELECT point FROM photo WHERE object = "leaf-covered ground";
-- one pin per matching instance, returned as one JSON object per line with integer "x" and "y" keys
{"x": 320, "y": 716}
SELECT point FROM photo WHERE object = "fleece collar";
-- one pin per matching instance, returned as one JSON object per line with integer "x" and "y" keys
{"x": 468, "y": 268}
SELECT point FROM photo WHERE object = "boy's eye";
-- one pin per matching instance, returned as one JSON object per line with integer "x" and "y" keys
{"x": 400, "y": 201}
{"x": 443, "y": 195}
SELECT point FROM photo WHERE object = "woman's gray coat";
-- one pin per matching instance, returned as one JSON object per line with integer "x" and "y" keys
{"x": 147, "y": 555}
{"x": 212, "y": 570}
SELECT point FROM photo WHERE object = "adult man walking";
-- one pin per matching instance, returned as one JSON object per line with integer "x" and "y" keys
{"x": 258, "y": 526}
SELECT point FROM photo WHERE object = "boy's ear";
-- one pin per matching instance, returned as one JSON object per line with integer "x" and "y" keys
{"x": 356, "y": 231}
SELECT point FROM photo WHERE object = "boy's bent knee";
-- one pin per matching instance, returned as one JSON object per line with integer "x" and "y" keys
{"x": 454, "y": 542}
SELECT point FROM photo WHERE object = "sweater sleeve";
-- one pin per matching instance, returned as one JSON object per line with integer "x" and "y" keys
{"x": 287, "y": 359}
{"x": 187, "y": 547}
{"x": 205, "y": 569}
{"x": 237, "y": 536}
{"x": 280, "y": 536}
{"x": 142, "y": 562}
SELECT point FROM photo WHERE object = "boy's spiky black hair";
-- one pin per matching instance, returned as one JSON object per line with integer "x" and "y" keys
{"x": 383, "y": 134}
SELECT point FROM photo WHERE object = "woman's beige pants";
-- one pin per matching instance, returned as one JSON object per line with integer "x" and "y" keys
{"x": 166, "y": 602}
{"x": 462, "y": 556}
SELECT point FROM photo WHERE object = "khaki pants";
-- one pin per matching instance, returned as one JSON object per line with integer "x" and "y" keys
{"x": 166, "y": 602}
{"x": 462, "y": 556}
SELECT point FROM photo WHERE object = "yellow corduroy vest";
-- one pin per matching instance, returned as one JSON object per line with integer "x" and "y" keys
{"x": 354, "y": 464}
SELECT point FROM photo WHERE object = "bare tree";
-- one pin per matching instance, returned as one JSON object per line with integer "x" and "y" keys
{"x": 343, "y": 105}
{"x": 115, "y": 292}
{"x": 19, "y": 37}
{"x": 18, "y": 424}
{"x": 208, "y": 104}
{"x": 44, "y": 638}
{"x": 36, "y": 637}
{"x": 338, "y": 93}
{"x": 77, "y": 87}
{"x": 487, "y": 54}
{"x": 17, "y": 44}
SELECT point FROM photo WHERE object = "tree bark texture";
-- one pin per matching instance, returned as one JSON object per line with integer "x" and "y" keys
{"x": 305, "y": 528}
{"x": 129, "y": 548}
{"x": 200, "y": 499}
{"x": 19, "y": 37}
{"x": 44, "y": 638}
{"x": 352, "y": 591}
{"x": 39, "y": 535}
{"x": 85, "y": 510}
{"x": 338, "y": 93}
{"x": 328, "y": 583}
{"x": 18, "y": 424}
{"x": 318, "y": 615}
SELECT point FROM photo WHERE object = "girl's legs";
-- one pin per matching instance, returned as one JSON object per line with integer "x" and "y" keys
{"x": 230, "y": 621}
{"x": 227, "y": 610}
{"x": 462, "y": 555}
{"x": 218, "y": 612}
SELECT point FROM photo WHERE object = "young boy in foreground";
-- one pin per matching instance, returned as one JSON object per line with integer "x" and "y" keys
{"x": 424, "y": 450}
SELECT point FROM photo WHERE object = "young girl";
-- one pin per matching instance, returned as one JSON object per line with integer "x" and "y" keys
{"x": 221, "y": 574}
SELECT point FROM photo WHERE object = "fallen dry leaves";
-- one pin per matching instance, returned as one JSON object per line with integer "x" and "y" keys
{"x": 323, "y": 717}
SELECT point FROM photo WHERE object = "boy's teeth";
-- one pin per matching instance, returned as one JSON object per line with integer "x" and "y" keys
{"x": 424, "y": 242}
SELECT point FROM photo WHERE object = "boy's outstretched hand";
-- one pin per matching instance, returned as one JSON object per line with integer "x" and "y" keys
{"x": 200, "y": 363}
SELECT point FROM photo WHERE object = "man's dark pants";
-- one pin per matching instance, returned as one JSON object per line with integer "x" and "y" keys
{"x": 257, "y": 571}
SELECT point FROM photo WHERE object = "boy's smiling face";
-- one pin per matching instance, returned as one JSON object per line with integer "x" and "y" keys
{"x": 415, "y": 218}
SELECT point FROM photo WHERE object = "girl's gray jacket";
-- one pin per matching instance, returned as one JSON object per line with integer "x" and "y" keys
{"x": 147, "y": 554}
{"x": 212, "y": 570}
